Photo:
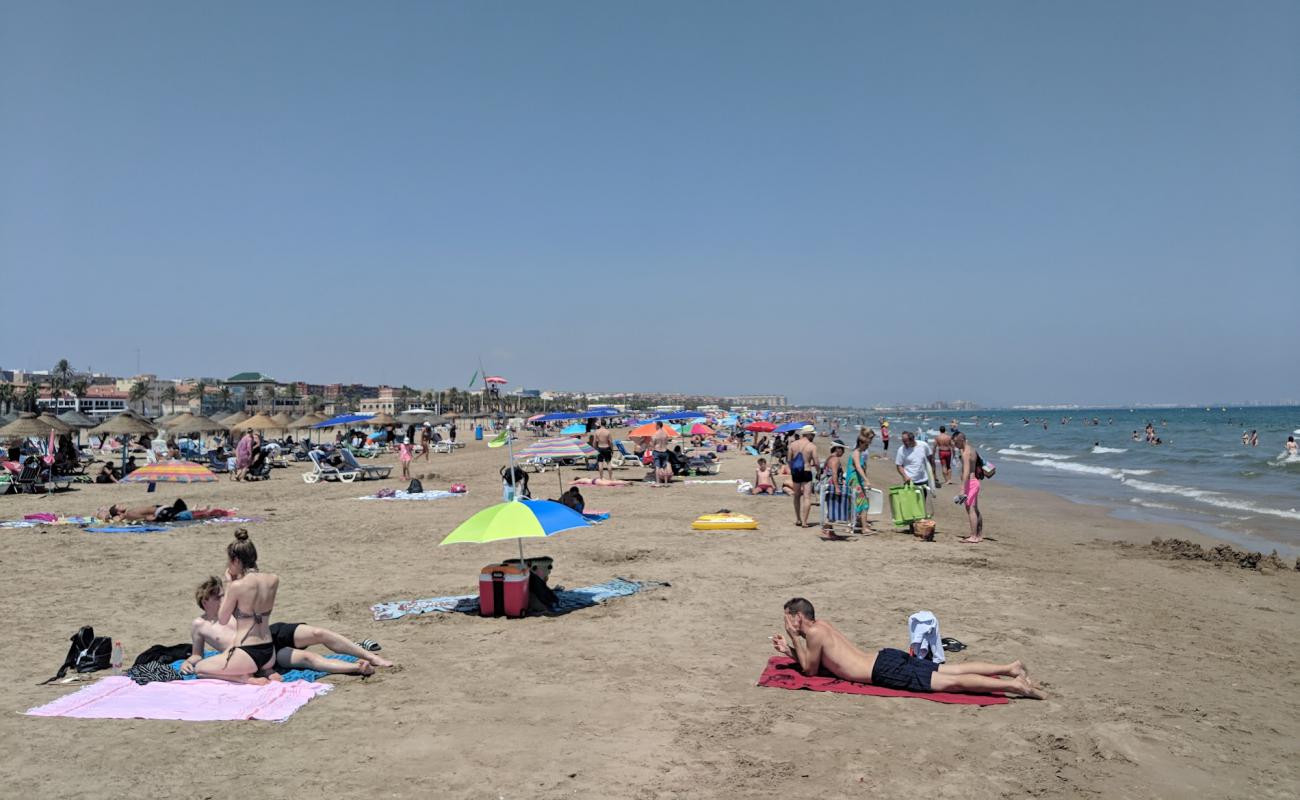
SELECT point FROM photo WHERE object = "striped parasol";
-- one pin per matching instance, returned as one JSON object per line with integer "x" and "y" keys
{"x": 555, "y": 449}
{"x": 171, "y": 472}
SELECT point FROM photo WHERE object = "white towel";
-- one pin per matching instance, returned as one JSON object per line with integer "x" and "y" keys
{"x": 923, "y": 637}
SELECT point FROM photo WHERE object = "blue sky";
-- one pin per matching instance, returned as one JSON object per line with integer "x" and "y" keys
{"x": 856, "y": 202}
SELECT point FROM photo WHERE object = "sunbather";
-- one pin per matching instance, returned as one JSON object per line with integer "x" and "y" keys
{"x": 291, "y": 640}
{"x": 176, "y": 512}
{"x": 818, "y": 645}
{"x": 248, "y": 603}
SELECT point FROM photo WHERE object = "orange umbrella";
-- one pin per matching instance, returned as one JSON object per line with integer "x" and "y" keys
{"x": 647, "y": 430}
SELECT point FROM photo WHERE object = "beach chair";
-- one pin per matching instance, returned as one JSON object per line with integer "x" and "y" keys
{"x": 26, "y": 481}
{"x": 836, "y": 504}
{"x": 327, "y": 472}
{"x": 368, "y": 472}
{"x": 625, "y": 457}
{"x": 216, "y": 463}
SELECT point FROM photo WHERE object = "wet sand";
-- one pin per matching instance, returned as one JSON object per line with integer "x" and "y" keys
{"x": 1165, "y": 678}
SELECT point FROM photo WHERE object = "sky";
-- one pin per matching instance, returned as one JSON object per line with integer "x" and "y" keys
{"x": 853, "y": 203}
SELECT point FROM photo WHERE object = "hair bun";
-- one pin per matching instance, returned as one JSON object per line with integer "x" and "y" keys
{"x": 241, "y": 535}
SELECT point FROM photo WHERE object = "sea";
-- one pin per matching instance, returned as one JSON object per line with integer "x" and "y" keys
{"x": 1200, "y": 476}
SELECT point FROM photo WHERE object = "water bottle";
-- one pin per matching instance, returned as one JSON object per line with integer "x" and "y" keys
{"x": 115, "y": 660}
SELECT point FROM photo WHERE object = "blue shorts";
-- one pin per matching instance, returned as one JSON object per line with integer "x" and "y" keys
{"x": 895, "y": 669}
{"x": 661, "y": 459}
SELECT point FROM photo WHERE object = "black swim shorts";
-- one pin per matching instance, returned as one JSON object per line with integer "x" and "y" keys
{"x": 801, "y": 475}
{"x": 661, "y": 459}
{"x": 604, "y": 455}
{"x": 282, "y": 634}
{"x": 895, "y": 669}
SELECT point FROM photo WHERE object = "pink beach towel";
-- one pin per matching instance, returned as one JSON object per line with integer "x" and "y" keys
{"x": 781, "y": 673}
{"x": 201, "y": 700}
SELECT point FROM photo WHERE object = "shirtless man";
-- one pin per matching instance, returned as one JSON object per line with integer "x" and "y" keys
{"x": 819, "y": 646}
{"x": 291, "y": 640}
{"x": 659, "y": 444}
{"x": 803, "y": 450}
{"x": 943, "y": 449}
{"x": 970, "y": 488}
{"x": 603, "y": 441}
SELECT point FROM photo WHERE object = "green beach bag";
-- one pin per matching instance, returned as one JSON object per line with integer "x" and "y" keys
{"x": 907, "y": 502}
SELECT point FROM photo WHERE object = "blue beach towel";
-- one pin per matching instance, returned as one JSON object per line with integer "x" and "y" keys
{"x": 569, "y": 600}
{"x": 290, "y": 675}
{"x": 128, "y": 529}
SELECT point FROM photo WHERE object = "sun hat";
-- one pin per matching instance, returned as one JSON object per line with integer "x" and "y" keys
{"x": 807, "y": 429}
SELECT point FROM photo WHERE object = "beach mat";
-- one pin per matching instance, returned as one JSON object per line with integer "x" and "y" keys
{"x": 404, "y": 495}
{"x": 782, "y": 674}
{"x": 287, "y": 675}
{"x": 154, "y": 527}
{"x": 569, "y": 600}
{"x": 119, "y": 697}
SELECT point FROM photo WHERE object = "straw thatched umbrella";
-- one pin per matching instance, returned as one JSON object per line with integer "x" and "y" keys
{"x": 127, "y": 423}
{"x": 381, "y": 419}
{"x": 77, "y": 419}
{"x": 261, "y": 422}
{"x": 234, "y": 419}
{"x": 27, "y": 424}
{"x": 165, "y": 420}
{"x": 282, "y": 421}
{"x": 305, "y": 421}
{"x": 54, "y": 422}
{"x": 196, "y": 424}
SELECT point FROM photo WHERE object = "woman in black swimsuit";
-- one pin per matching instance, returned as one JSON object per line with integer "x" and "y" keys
{"x": 249, "y": 599}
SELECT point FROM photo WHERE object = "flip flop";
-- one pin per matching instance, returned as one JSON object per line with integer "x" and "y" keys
{"x": 370, "y": 645}
{"x": 951, "y": 645}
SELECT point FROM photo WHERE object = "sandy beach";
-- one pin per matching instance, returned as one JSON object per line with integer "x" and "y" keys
{"x": 1165, "y": 678}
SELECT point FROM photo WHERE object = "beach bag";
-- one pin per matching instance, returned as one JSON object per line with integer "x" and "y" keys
{"x": 983, "y": 469}
{"x": 389, "y": 492}
{"x": 907, "y": 503}
{"x": 459, "y": 488}
{"x": 88, "y": 653}
{"x": 415, "y": 487}
{"x": 796, "y": 463}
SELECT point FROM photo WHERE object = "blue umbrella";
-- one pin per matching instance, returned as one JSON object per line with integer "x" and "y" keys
{"x": 678, "y": 416}
{"x": 575, "y": 428}
{"x": 790, "y": 426}
{"x": 345, "y": 419}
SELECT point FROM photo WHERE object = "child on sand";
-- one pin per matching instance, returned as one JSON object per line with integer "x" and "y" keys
{"x": 763, "y": 479}
{"x": 404, "y": 455}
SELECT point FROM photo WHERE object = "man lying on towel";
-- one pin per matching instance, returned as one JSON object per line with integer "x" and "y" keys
{"x": 819, "y": 645}
{"x": 291, "y": 640}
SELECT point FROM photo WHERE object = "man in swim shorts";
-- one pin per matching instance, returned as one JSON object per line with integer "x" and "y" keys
{"x": 291, "y": 640}
{"x": 659, "y": 444}
{"x": 818, "y": 647}
{"x": 603, "y": 441}
{"x": 943, "y": 449}
{"x": 803, "y": 462}
{"x": 970, "y": 487}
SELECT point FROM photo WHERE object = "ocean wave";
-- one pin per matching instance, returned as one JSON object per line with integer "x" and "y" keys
{"x": 1099, "y": 449}
{"x": 1210, "y": 498}
{"x": 1285, "y": 460}
{"x": 1023, "y": 454}
{"x": 1089, "y": 469}
{"x": 1021, "y": 446}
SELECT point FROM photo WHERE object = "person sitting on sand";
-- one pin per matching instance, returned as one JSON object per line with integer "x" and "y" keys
{"x": 818, "y": 646}
{"x": 573, "y": 499}
{"x": 291, "y": 640}
{"x": 763, "y": 479}
{"x": 107, "y": 474}
{"x": 248, "y": 601}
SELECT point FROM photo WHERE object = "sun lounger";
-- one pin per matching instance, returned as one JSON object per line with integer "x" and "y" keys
{"x": 625, "y": 457}
{"x": 368, "y": 471}
{"x": 327, "y": 472}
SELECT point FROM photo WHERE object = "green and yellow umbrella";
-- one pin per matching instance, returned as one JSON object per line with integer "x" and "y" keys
{"x": 517, "y": 519}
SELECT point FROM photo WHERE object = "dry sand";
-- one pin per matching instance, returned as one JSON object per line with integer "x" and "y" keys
{"x": 1166, "y": 678}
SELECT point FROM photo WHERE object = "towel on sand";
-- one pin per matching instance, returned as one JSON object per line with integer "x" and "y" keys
{"x": 782, "y": 674}
{"x": 404, "y": 495}
{"x": 569, "y": 600}
{"x": 286, "y": 676}
{"x": 119, "y": 697}
{"x": 155, "y": 527}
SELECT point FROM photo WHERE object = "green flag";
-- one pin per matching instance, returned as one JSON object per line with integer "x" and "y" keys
{"x": 471, "y": 380}
{"x": 500, "y": 440}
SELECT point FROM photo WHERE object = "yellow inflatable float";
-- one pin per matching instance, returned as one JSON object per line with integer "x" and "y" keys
{"x": 725, "y": 522}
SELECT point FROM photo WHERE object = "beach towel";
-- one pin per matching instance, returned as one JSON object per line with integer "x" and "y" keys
{"x": 782, "y": 674}
{"x": 403, "y": 495}
{"x": 128, "y": 529}
{"x": 287, "y": 675}
{"x": 595, "y": 517}
{"x": 568, "y": 600}
{"x": 119, "y": 697}
{"x": 716, "y": 480}
{"x": 155, "y": 527}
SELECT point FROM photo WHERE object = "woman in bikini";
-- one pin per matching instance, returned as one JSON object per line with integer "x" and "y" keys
{"x": 857, "y": 479}
{"x": 249, "y": 599}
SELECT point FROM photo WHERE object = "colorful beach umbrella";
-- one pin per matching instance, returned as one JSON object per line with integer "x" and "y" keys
{"x": 647, "y": 430}
{"x": 760, "y": 427}
{"x": 557, "y": 448}
{"x": 516, "y": 519}
{"x": 697, "y": 429}
{"x": 171, "y": 472}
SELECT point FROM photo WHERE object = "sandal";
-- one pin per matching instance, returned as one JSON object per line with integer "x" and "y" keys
{"x": 369, "y": 645}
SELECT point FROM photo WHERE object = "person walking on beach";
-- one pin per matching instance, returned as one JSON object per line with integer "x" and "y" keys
{"x": 943, "y": 449}
{"x": 659, "y": 444}
{"x": 426, "y": 439}
{"x": 971, "y": 469}
{"x": 858, "y": 483}
{"x": 911, "y": 461}
{"x": 243, "y": 455}
{"x": 404, "y": 455}
{"x": 803, "y": 462}
{"x": 603, "y": 441}
{"x": 884, "y": 435}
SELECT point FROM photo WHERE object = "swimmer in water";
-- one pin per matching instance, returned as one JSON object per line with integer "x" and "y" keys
{"x": 1291, "y": 446}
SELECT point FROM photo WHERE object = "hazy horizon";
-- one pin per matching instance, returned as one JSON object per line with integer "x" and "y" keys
{"x": 850, "y": 203}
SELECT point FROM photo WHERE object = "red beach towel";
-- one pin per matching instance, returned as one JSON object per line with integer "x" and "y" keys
{"x": 781, "y": 673}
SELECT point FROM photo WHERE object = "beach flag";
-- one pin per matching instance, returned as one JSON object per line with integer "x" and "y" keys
{"x": 471, "y": 380}
{"x": 500, "y": 440}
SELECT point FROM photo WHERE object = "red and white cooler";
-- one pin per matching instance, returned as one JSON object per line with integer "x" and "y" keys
{"x": 502, "y": 591}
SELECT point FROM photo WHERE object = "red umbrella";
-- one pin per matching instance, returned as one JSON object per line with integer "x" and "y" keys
{"x": 495, "y": 379}
{"x": 760, "y": 427}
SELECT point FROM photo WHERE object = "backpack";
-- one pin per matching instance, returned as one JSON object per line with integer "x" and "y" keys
{"x": 796, "y": 463}
{"x": 416, "y": 487}
{"x": 88, "y": 653}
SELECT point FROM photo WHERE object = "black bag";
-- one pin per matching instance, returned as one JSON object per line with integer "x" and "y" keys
{"x": 88, "y": 653}
{"x": 416, "y": 487}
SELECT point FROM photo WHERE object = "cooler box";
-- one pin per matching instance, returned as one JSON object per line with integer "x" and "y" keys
{"x": 907, "y": 502}
{"x": 502, "y": 591}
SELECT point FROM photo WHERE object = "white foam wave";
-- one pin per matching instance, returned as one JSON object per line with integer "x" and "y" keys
{"x": 1285, "y": 458}
{"x": 1088, "y": 469}
{"x": 1023, "y": 454}
{"x": 1210, "y": 498}
{"x": 1021, "y": 446}
{"x": 1099, "y": 449}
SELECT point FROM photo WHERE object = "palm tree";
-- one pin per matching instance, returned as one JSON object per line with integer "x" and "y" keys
{"x": 30, "y": 392}
{"x": 139, "y": 391}
{"x": 61, "y": 375}
{"x": 169, "y": 395}
{"x": 225, "y": 394}
{"x": 7, "y": 396}
{"x": 291, "y": 392}
{"x": 197, "y": 391}
{"x": 79, "y": 388}
{"x": 266, "y": 394}
{"x": 311, "y": 402}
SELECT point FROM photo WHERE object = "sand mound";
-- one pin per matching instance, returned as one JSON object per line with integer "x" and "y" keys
{"x": 1220, "y": 554}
